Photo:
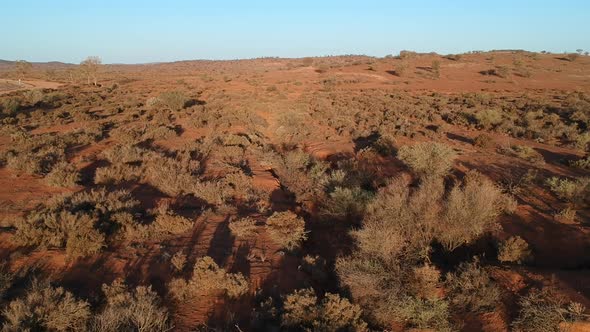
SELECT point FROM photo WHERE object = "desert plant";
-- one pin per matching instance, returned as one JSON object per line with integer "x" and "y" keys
{"x": 470, "y": 288}
{"x": 90, "y": 67}
{"x": 136, "y": 310}
{"x": 302, "y": 309}
{"x": 472, "y": 210}
{"x": 574, "y": 191}
{"x": 483, "y": 141}
{"x": 566, "y": 215}
{"x": 44, "y": 307}
{"x": 63, "y": 174}
{"x": 207, "y": 278}
{"x": 178, "y": 261}
{"x": 524, "y": 152}
{"x": 514, "y": 250}
{"x": 74, "y": 232}
{"x": 345, "y": 203}
{"x": 243, "y": 228}
{"x": 488, "y": 118}
{"x": 428, "y": 159}
{"x": 544, "y": 311}
{"x": 572, "y": 57}
{"x": 174, "y": 100}
{"x": 6, "y": 279}
{"x": 286, "y": 229}
{"x": 435, "y": 68}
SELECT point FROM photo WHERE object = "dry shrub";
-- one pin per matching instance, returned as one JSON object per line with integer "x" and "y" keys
{"x": 136, "y": 310}
{"x": 428, "y": 159}
{"x": 423, "y": 314}
{"x": 79, "y": 222}
{"x": 63, "y": 174}
{"x": 116, "y": 174}
{"x": 514, "y": 250}
{"x": 345, "y": 203}
{"x": 178, "y": 261}
{"x": 303, "y": 310}
{"x": 49, "y": 229}
{"x": 386, "y": 274}
{"x": 470, "y": 289}
{"x": 524, "y": 152}
{"x": 243, "y": 228}
{"x": 44, "y": 307}
{"x": 6, "y": 278}
{"x": 583, "y": 163}
{"x": 174, "y": 100}
{"x": 544, "y": 311}
{"x": 209, "y": 278}
{"x": 574, "y": 191}
{"x": 483, "y": 141}
{"x": 566, "y": 215}
{"x": 472, "y": 210}
{"x": 286, "y": 229}
{"x": 488, "y": 118}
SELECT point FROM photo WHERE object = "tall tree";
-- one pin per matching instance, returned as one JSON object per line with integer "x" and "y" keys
{"x": 90, "y": 68}
{"x": 22, "y": 67}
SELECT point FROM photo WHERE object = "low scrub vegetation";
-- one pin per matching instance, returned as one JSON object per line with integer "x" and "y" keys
{"x": 428, "y": 159}
{"x": 209, "y": 278}
{"x": 514, "y": 250}
{"x": 286, "y": 229}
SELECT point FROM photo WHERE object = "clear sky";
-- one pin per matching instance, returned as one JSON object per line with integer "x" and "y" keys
{"x": 135, "y": 31}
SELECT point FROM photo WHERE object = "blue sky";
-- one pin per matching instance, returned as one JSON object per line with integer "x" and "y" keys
{"x": 149, "y": 31}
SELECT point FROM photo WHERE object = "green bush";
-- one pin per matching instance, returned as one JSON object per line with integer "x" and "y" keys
{"x": 470, "y": 289}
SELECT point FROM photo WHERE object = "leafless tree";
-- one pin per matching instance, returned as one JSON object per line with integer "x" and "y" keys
{"x": 90, "y": 68}
{"x": 22, "y": 68}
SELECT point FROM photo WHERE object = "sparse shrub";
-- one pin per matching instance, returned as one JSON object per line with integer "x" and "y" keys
{"x": 472, "y": 210}
{"x": 302, "y": 309}
{"x": 6, "y": 278}
{"x": 44, "y": 307}
{"x": 488, "y": 118}
{"x": 178, "y": 261}
{"x": 136, "y": 310}
{"x": 428, "y": 159}
{"x": 63, "y": 174}
{"x": 345, "y": 203}
{"x": 583, "y": 163}
{"x": 501, "y": 71}
{"x": 207, "y": 278}
{"x": 436, "y": 68}
{"x": 174, "y": 100}
{"x": 574, "y": 191}
{"x": 401, "y": 68}
{"x": 524, "y": 152}
{"x": 286, "y": 229}
{"x": 514, "y": 250}
{"x": 423, "y": 313}
{"x": 483, "y": 141}
{"x": 10, "y": 106}
{"x": 566, "y": 215}
{"x": 572, "y": 57}
{"x": 74, "y": 232}
{"x": 544, "y": 311}
{"x": 77, "y": 223}
{"x": 243, "y": 228}
{"x": 471, "y": 289}
{"x": 117, "y": 173}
